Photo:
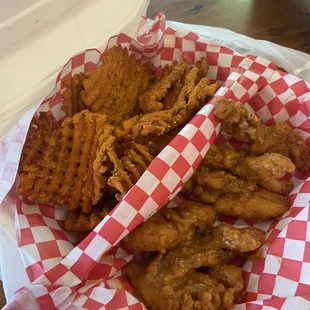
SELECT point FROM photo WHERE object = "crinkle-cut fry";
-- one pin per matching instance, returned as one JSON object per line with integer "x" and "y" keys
{"x": 35, "y": 141}
{"x": 114, "y": 87}
{"x": 71, "y": 97}
{"x": 128, "y": 169}
{"x": 151, "y": 100}
{"x": 79, "y": 221}
{"x": 63, "y": 174}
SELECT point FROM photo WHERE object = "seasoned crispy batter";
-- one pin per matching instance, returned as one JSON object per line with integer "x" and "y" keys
{"x": 63, "y": 174}
{"x": 265, "y": 170}
{"x": 169, "y": 227}
{"x": 205, "y": 194}
{"x": 151, "y": 100}
{"x": 195, "y": 290}
{"x": 230, "y": 276}
{"x": 195, "y": 91}
{"x": 36, "y": 138}
{"x": 128, "y": 169}
{"x": 173, "y": 94}
{"x": 259, "y": 205}
{"x": 114, "y": 87}
{"x": 169, "y": 281}
{"x": 71, "y": 97}
{"x": 244, "y": 239}
{"x": 156, "y": 143}
{"x": 77, "y": 220}
{"x": 224, "y": 181}
{"x": 247, "y": 127}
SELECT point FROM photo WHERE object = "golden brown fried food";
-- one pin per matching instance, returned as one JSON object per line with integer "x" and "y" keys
{"x": 259, "y": 205}
{"x": 63, "y": 174}
{"x": 71, "y": 97}
{"x": 156, "y": 143}
{"x": 195, "y": 91}
{"x": 169, "y": 281}
{"x": 224, "y": 181}
{"x": 77, "y": 220}
{"x": 114, "y": 87}
{"x": 35, "y": 142}
{"x": 265, "y": 170}
{"x": 244, "y": 239}
{"x": 230, "y": 276}
{"x": 128, "y": 169}
{"x": 195, "y": 290}
{"x": 206, "y": 195}
{"x": 169, "y": 227}
{"x": 151, "y": 100}
{"x": 247, "y": 127}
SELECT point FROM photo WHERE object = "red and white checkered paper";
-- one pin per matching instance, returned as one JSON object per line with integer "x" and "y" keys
{"x": 88, "y": 276}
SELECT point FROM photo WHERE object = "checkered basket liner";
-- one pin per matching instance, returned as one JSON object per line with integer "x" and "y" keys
{"x": 88, "y": 275}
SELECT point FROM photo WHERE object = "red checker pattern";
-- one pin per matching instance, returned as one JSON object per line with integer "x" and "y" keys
{"x": 150, "y": 45}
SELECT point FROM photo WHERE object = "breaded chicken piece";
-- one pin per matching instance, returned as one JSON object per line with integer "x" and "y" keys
{"x": 247, "y": 127}
{"x": 223, "y": 181}
{"x": 195, "y": 290}
{"x": 230, "y": 276}
{"x": 113, "y": 88}
{"x": 169, "y": 281}
{"x": 260, "y": 205}
{"x": 265, "y": 170}
{"x": 151, "y": 100}
{"x": 169, "y": 227}
{"x": 244, "y": 239}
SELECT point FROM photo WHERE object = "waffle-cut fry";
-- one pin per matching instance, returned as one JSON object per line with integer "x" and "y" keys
{"x": 35, "y": 141}
{"x": 72, "y": 101}
{"x": 114, "y": 87}
{"x": 63, "y": 174}
{"x": 195, "y": 91}
{"x": 79, "y": 221}
{"x": 129, "y": 168}
{"x": 150, "y": 101}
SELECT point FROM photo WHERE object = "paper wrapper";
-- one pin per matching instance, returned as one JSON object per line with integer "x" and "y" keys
{"x": 88, "y": 276}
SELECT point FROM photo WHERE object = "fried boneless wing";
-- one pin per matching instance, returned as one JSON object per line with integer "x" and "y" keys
{"x": 260, "y": 205}
{"x": 168, "y": 227}
{"x": 265, "y": 170}
{"x": 193, "y": 291}
{"x": 63, "y": 173}
{"x": 170, "y": 281}
{"x": 247, "y": 127}
{"x": 113, "y": 88}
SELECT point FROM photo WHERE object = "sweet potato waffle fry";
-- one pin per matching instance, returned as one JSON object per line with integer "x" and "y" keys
{"x": 129, "y": 168}
{"x": 63, "y": 174}
{"x": 114, "y": 87}
{"x": 40, "y": 127}
{"x": 71, "y": 97}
